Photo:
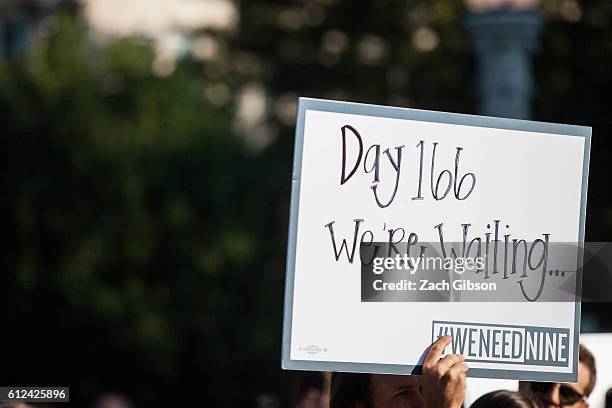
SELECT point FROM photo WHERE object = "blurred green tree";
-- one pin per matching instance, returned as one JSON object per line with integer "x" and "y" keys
{"x": 140, "y": 231}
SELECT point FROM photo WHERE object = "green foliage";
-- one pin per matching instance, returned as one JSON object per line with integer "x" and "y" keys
{"x": 135, "y": 219}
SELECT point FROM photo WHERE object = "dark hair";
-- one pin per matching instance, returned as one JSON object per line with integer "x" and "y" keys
{"x": 608, "y": 403}
{"x": 503, "y": 399}
{"x": 308, "y": 382}
{"x": 586, "y": 358}
{"x": 349, "y": 389}
{"x": 538, "y": 391}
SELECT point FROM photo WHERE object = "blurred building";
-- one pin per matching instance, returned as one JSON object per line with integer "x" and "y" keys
{"x": 504, "y": 35}
{"x": 175, "y": 26}
{"x": 168, "y": 23}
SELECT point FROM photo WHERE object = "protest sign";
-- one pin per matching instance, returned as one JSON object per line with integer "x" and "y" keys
{"x": 409, "y": 224}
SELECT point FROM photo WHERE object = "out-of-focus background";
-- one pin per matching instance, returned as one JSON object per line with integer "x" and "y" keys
{"x": 146, "y": 157}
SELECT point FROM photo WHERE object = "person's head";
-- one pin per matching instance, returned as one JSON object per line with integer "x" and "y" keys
{"x": 552, "y": 395}
{"x": 587, "y": 371}
{"x": 608, "y": 403}
{"x": 112, "y": 400}
{"x": 503, "y": 399}
{"x": 375, "y": 391}
{"x": 311, "y": 390}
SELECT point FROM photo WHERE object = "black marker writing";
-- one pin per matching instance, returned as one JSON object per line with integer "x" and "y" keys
{"x": 441, "y": 182}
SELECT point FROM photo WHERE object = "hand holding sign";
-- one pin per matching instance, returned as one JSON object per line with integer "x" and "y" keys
{"x": 443, "y": 380}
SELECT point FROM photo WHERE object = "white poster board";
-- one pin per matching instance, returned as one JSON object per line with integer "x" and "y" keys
{"x": 367, "y": 174}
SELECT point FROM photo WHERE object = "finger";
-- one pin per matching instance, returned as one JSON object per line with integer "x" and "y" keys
{"x": 442, "y": 366}
{"x": 450, "y": 360}
{"x": 456, "y": 374}
{"x": 436, "y": 350}
{"x": 461, "y": 368}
